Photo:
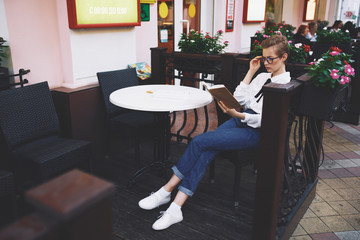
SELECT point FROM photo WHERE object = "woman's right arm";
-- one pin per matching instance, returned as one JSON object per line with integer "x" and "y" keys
{"x": 254, "y": 66}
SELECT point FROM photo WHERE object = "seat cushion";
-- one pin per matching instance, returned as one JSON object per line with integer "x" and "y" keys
{"x": 6, "y": 183}
{"x": 53, "y": 155}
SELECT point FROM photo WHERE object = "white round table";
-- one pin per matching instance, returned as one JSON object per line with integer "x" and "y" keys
{"x": 160, "y": 98}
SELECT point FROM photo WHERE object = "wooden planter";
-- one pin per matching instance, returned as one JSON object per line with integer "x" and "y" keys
{"x": 321, "y": 103}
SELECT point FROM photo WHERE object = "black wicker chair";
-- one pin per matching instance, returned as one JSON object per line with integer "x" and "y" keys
{"x": 133, "y": 124}
{"x": 31, "y": 134}
{"x": 8, "y": 207}
{"x": 240, "y": 159}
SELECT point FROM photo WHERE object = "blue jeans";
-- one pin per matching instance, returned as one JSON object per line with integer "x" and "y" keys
{"x": 231, "y": 135}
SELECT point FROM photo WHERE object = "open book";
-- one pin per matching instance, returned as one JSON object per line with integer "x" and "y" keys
{"x": 221, "y": 93}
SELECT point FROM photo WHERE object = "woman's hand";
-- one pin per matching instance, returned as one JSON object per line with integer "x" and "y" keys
{"x": 231, "y": 111}
{"x": 255, "y": 63}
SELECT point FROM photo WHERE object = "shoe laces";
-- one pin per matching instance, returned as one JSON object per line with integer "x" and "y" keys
{"x": 162, "y": 213}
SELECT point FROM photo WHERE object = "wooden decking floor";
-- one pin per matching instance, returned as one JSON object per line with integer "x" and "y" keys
{"x": 209, "y": 214}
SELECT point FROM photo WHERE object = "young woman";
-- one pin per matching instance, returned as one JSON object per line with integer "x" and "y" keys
{"x": 242, "y": 131}
{"x": 300, "y": 35}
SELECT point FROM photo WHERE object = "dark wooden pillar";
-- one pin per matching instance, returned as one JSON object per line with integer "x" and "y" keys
{"x": 158, "y": 69}
{"x": 80, "y": 202}
{"x": 271, "y": 162}
{"x": 73, "y": 206}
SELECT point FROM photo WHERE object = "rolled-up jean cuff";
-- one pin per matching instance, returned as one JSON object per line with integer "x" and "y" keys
{"x": 186, "y": 191}
{"x": 177, "y": 172}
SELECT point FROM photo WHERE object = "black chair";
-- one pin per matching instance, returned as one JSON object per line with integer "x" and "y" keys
{"x": 30, "y": 131}
{"x": 134, "y": 124}
{"x": 240, "y": 159}
{"x": 8, "y": 207}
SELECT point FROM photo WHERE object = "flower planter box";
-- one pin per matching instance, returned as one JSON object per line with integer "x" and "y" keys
{"x": 321, "y": 103}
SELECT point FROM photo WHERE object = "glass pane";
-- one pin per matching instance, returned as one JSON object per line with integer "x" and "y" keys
{"x": 191, "y": 12}
{"x": 166, "y": 24}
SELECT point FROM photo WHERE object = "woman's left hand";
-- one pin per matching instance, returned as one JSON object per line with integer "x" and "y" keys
{"x": 231, "y": 111}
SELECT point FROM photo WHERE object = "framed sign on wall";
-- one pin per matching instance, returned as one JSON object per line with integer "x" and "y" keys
{"x": 103, "y": 13}
{"x": 230, "y": 10}
{"x": 309, "y": 10}
{"x": 254, "y": 11}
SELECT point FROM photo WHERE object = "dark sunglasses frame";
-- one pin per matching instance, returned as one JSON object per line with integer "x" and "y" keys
{"x": 269, "y": 60}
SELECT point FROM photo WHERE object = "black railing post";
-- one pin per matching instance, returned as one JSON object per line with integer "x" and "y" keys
{"x": 271, "y": 162}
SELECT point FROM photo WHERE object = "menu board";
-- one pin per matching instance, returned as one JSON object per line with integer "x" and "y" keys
{"x": 103, "y": 13}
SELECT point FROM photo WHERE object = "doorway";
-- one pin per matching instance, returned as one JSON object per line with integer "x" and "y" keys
{"x": 176, "y": 17}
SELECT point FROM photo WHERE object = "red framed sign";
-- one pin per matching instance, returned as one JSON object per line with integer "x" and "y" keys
{"x": 309, "y": 10}
{"x": 103, "y": 13}
{"x": 230, "y": 12}
{"x": 254, "y": 11}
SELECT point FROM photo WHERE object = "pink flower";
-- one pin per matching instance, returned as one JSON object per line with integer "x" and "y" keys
{"x": 263, "y": 27}
{"x": 226, "y": 42}
{"x": 257, "y": 31}
{"x": 266, "y": 36}
{"x": 298, "y": 45}
{"x": 311, "y": 63}
{"x": 334, "y": 74}
{"x": 334, "y": 53}
{"x": 290, "y": 41}
{"x": 342, "y": 81}
{"x": 349, "y": 70}
{"x": 220, "y": 31}
{"x": 345, "y": 79}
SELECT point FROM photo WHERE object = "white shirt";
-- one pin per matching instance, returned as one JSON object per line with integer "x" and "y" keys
{"x": 245, "y": 94}
{"x": 311, "y": 37}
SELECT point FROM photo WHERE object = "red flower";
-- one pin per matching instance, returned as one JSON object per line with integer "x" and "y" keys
{"x": 307, "y": 48}
{"x": 336, "y": 49}
{"x": 207, "y": 36}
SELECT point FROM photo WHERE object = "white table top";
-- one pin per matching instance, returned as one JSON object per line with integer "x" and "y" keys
{"x": 160, "y": 98}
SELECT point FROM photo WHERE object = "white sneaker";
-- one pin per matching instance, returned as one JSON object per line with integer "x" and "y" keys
{"x": 166, "y": 219}
{"x": 153, "y": 201}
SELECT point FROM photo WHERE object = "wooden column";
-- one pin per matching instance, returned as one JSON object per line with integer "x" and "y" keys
{"x": 80, "y": 202}
{"x": 271, "y": 162}
{"x": 73, "y": 206}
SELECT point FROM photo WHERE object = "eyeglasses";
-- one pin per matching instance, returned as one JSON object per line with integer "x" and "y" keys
{"x": 269, "y": 60}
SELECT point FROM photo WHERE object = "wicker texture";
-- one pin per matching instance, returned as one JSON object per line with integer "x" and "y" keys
{"x": 113, "y": 80}
{"x": 6, "y": 183}
{"x": 123, "y": 121}
{"x": 53, "y": 155}
{"x": 27, "y": 113}
{"x": 30, "y": 128}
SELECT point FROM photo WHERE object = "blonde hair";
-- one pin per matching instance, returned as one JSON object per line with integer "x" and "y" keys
{"x": 279, "y": 42}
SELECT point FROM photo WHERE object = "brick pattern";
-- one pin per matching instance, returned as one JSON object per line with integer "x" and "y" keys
{"x": 335, "y": 212}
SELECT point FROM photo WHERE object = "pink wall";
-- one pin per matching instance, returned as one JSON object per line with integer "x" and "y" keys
{"x": 145, "y": 37}
{"x": 34, "y": 39}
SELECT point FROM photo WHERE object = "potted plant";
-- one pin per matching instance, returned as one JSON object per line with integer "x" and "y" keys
{"x": 327, "y": 87}
{"x": 327, "y": 38}
{"x": 270, "y": 29}
{"x": 198, "y": 53}
{"x": 198, "y": 42}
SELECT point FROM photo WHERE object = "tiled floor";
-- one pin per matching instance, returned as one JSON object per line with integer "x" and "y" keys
{"x": 335, "y": 212}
